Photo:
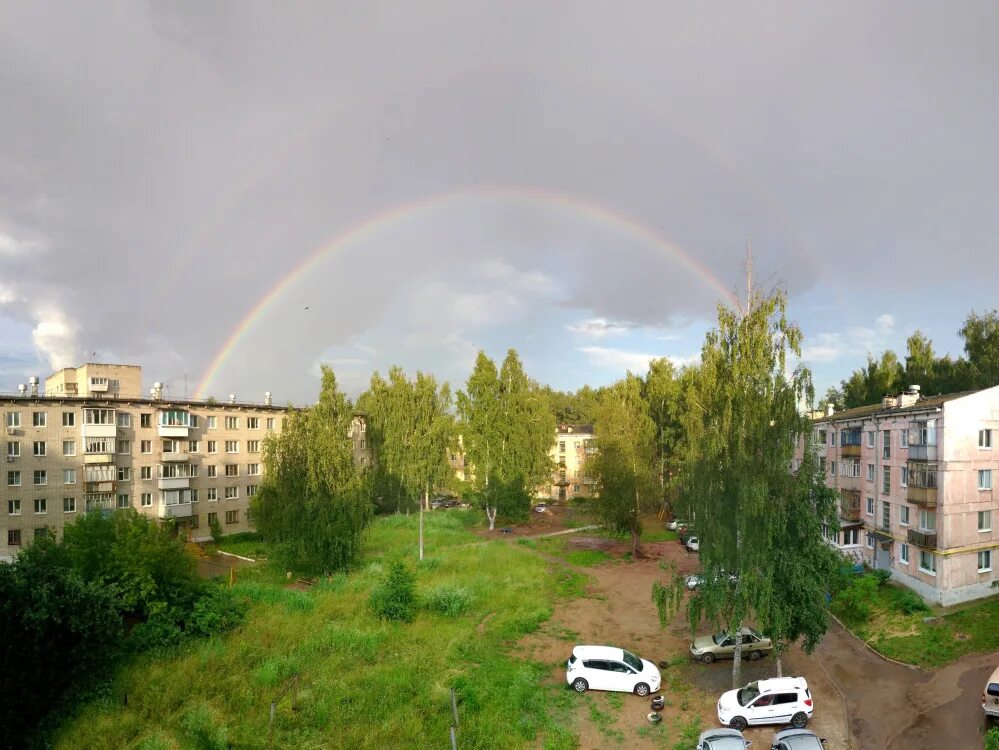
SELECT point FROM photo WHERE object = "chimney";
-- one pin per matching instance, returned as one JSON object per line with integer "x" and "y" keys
{"x": 33, "y": 382}
{"x": 232, "y": 398}
{"x": 830, "y": 410}
{"x": 267, "y": 398}
{"x": 156, "y": 391}
{"x": 889, "y": 402}
{"x": 910, "y": 397}
{"x": 21, "y": 388}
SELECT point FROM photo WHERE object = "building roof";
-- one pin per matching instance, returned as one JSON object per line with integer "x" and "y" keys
{"x": 573, "y": 429}
{"x": 110, "y": 403}
{"x": 859, "y": 412}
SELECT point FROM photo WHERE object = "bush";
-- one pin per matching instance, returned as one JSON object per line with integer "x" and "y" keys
{"x": 394, "y": 598}
{"x": 216, "y": 611}
{"x": 215, "y": 528}
{"x": 908, "y": 602}
{"x": 853, "y": 603}
{"x": 448, "y": 600}
{"x": 882, "y": 576}
{"x": 992, "y": 739}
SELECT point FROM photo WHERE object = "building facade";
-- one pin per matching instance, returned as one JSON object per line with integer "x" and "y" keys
{"x": 91, "y": 442}
{"x": 916, "y": 480}
{"x": 573, "y": 444}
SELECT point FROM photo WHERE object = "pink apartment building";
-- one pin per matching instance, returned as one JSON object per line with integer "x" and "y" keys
{"x": 916, "y": 479}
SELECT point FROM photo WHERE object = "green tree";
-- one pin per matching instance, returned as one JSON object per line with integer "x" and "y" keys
{"x": 626, "y": 464}
{"x": 920, "y": 361}
{"x": 834, "y": 397}
{"x": 981, "y": 345}
{"x": 313, "y": 503}
{"x": 662, "y": 391}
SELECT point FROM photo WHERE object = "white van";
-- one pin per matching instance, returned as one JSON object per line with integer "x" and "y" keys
{"x": 990, "y": 695}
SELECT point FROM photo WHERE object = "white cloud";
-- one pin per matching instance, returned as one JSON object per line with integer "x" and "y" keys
{"x": 620, "y": 359}
{"x": 599, "y": 328}
{"x": 54, "y": 336}
{"x": 497, "y": 270}
{"x": 829, "y": 347}
{"x": 885, "y": 323}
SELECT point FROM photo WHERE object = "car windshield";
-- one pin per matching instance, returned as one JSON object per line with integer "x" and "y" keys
{"x": 725, "y": 743}
{"x": 719, "y": 638}
{"x": 633, "y": 661}
{"x": 748, "y": 694}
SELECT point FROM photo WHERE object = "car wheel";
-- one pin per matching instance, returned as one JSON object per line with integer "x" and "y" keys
{"x": 708, "y": 657}
{"x": 799, "y": 720}
{"x": 580, "y": 685}
{"x": 738, "y": 723}
{"x": 754, "y": 655}
{"x": 641, "y": 690}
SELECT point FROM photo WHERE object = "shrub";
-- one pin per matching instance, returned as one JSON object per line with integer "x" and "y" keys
{"x": 882, "y": 576}
{"x": 160, "y": 630}
{"x": 394, "y": 598}
{"x": 215, "y": 528}
{"x": 853, "y": 603}
{"x": 992, "y": 739}
{"x": 448, "y": 600}
{"x": 908, "y": 602}
{"x": 216, "y": 611}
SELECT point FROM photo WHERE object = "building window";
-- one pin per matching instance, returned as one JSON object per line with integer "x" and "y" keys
{"x": 251, "y": 490}
{"x": 145, "y": 472}
{"x": 213, "y": 518}
{"x": 69, "y": 505}
{"x": 985, "y": 520}
{"x": 69, "y": 419}
{"x": 39, "y": 448}
{"x": 13, "y": 419}
{"x": 13, "y": 537}
{"x": 193, "y": 419}
{"x": 927, "y": 562}
{"x": 886, "y": 444}
{"x": 213, "y": 422}
{"x": 41, "y": 506}
{"x": 146, "y": 499}
{"x": 232, "y": 516}
{"x": 212, "y": 494}
{"x": 13, "y": 507}
{"x": 363, "y": 444}
{"x": 253, "y": 469}
{"x": 870, "y": 540}
{"x": 885, "y": 480}
{"x": 985, "y": 561}
{"x": 14, "y": 449}
{"x": 985, "y": 479}
{"x": 985, "y": 439}
{"x": 851, "y": 536}
{"x": 124, "y": 446}
{"x": 98, "y": 416}
{"x": 124, "y": 473}
{"x": 69, "y": 476}
{"x": 192, "y": 446}
{"x": 13, "y": 478}
{"x": 253, "y": 446}
{"x": 903, "y": 553}
{"x": 903, "y": 478}
{"x": 870, "y": 472}
{"x": 212, "y": 446}
{"x": 885, "y": 515}
{"x": 146, "y": 446}
{"x": 822, "y": 464}
{"x": 231, "y": 493}
{"x": 194, "y": 496}
{"x": 195, "y": 470}
{"x": 38, "y": 418}
{"x": 927, "y": 520}
{"x": 212, "y": 471}
{"x": 41, "y": 477}
{"x": 232, "y": 470}
{"x": 870, "y": 506}
{"x": 561, "y": 446}
{"x": 232, "y": 423}
{"x": 903, "y": 515}
{"x": 69, "y": 447}
{"x": 145, "y": 420}
{"x": 270, "y": 423}
{"x": 870, "y": 439}
{"x": 174, "y": 418}
{"x": 123, "y": 501}
{"x": 124, "y": 420}
{"x": 232, "y": 446}
{"x": 253, "y": 423}
{"x": 194, "y": 522}
{"x": 832, "y": 468}
{"x": 903, "y": 438}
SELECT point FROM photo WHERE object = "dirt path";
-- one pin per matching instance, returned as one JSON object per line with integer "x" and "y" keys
{"x": 893, "y": 707}
{"x": 618, "y": 610}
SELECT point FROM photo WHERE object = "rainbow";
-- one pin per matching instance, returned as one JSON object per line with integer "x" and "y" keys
{"x": 404, "y": 211}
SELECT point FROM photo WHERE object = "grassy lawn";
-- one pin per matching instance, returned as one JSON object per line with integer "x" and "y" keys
{"x": 364, "y": 683}
{"x": 248, "y": 544}
{"x": 907, "y": 638}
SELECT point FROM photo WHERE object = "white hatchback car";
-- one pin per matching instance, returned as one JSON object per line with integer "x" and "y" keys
{"x": 781, "y": 700}
{"x": 610, "y": 668}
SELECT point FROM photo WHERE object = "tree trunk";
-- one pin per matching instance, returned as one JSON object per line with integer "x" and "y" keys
{"x": 635, "y": 548}
{"x": 737, "y": 661}
{"x": 491, "y": 515}
{"x": 780, "y": 665}
{"x": 421, "y": 530}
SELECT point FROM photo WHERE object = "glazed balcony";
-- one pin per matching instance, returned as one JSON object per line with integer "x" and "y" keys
{"x": 925, "y": 539}
{"x": 849, "y": 505}
{"x": 925, "y": 497}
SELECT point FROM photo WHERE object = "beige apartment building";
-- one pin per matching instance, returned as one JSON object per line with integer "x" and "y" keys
{"x": 92, "y": 442}
{"x": 573, "y": 444}
{"x": 917, "y": 484}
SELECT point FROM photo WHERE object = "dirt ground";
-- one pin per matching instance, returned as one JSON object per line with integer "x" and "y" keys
{"x": 618, "y": 610}
{"x": 556, "y": 518}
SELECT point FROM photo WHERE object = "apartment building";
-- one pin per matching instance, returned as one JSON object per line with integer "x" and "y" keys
{"x": 916, "y": 478}
{"x": 92, "y": 442}
{"x": 573, "y": 444}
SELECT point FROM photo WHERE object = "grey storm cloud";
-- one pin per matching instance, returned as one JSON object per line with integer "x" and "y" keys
{"x": 164, "y": 165}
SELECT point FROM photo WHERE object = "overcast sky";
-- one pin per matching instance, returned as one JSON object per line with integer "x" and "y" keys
{"x": 577, "y": 180}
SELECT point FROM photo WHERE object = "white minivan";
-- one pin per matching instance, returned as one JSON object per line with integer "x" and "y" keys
{"x": 990, "y": 695}
{"x": 610, "y": 668}
{"x": 780, "y": 700}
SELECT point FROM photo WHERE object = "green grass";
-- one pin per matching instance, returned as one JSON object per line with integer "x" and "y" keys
{"x": 561, "y": 547}
{"x": 907, "y": 638}
{"x": 247, "y": 544}
{"x": 364, "y": 683}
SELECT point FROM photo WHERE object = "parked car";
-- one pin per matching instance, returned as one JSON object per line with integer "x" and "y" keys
{"x": 696, "y": 580}
{"x": 708, "y": 648}
{"x": 675, "y": 524}
{"x": 780, "y": 700}
{"x": 541, "y": 508}
{"x": 685, "y": 531}
{"x": 722, "y": 739}
{"x": 990, "y": 695}
{"x": 693, "y": 544}
{"x": 610, "y": 668}
{"x": 438, "y": 503}
{"x": 797, "y": 739}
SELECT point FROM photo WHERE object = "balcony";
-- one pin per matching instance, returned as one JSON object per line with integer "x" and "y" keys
{"x": 923, "y": 496}
{"x": 173, "y": 430}
{"x": 99, "y": 487}
{"x": 849, "y": 451}
{"x": 173, "y": 483}
{"x": 927, "y": 539}
{"x": 922, "y": 452}
{"x": 98, "y": 458}
{"x": 174, "y": 457}
{"x": 175, "y": 423}
{"x": 176, "y": 510}
{"x": 849, "y": 505}
{"x": 100, "y": 430}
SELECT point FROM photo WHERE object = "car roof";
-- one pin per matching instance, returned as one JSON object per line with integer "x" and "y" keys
{"x": 722, "y": 739}
{"x": 782, "y": 683}
{"x": 798, "y": 739}
{"x": 995, "y": 676}
{"x": 598, "y": 652}
{"x": 719, "y": 732}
